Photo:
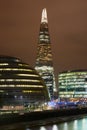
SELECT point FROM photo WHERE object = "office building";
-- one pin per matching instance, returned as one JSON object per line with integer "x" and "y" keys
{"x": 44, "y": 61}
{"x": 20, "y": 85}
{"x": 73, "y": 84}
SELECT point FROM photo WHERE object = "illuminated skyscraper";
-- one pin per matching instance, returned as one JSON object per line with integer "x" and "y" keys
{"x": 44, "y": 63}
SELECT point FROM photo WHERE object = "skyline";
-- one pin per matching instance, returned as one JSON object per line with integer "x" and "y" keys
{"x": 67, "y": 21}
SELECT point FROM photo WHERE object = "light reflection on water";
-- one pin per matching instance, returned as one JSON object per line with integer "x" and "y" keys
{"x": 42, "y": 128}
{"x": 55, "y": 127}
{"x": 80, "y": 124}
{"x": 28, "y": 129}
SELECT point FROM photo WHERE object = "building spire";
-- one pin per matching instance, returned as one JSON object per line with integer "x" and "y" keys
{"x": 44, "y": 16}
{"x": 44, "y": 61}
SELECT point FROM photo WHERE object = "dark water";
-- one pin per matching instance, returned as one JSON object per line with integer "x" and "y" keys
{"x": 79, "y": 124}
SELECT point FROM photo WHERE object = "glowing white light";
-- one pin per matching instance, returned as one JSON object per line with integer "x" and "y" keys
{"x": 65, "y": 126}
{"x": 75, "y": 124}
{"x": 55, "y": 127}
{"x": 46, "y": 68}
{"x": 42, "y": 128}
{"x": 84, "y": 122}
{"x": 44, "y": 16}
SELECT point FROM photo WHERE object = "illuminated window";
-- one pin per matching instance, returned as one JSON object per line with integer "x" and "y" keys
{"x": 14, "y": 69}
{"x": 28, "y": 75}
{"x": 12, "y": 85}
{"x": 3, "y": 64}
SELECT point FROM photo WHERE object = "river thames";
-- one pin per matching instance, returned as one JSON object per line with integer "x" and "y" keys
{"x": 77, "y": 124}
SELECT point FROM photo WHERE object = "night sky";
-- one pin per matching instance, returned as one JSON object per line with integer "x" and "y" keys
{"x": 20, "y": 24}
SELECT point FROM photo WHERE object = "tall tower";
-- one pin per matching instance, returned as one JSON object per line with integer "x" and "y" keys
{"x": 44, "y": 63}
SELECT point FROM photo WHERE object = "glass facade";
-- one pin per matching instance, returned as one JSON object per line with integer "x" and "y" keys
{"x": 20, "y": 85}
{"x": 73, "y": 84}
{"x": 44, "y": 62}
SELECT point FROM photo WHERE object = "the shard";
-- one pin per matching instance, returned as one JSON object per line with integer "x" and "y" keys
{"x": 44, "y": 60}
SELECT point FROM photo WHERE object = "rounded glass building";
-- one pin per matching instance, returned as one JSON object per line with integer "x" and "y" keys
{"x": 73, "y": 84}
{"x": 20, "y": 85}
